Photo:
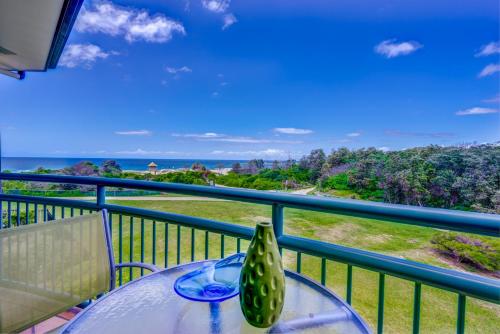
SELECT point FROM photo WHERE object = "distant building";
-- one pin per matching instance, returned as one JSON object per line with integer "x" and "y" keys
{"x": 153, "y": 168}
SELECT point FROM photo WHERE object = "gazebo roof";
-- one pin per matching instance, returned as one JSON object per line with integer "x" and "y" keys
{"x": 152, "y": 164}
{"x": 33, "y": 34}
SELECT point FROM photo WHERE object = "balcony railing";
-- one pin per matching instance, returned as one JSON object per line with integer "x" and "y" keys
{"x": 465, "y": 285}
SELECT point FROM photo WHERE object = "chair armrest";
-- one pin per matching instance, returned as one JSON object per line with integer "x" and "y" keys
{"x": 147, "y": 266}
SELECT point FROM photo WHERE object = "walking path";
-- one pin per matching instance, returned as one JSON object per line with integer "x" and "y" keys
{"x": 302, "y": 191}
{"x": 175, "y": 198}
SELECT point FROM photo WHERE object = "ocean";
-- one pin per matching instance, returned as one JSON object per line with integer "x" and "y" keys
{"x": 24, "y": 164}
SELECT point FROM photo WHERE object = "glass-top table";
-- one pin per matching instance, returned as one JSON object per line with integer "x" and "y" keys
{"x": 150, "y": 305}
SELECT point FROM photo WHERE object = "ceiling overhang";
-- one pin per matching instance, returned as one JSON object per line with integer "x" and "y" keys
{"x": 33, "y": 33}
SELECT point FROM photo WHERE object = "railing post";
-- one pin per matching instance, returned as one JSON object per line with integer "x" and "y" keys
{"x": 381, "y": 296}
{"x": 348, "y": 297}
{"x": 416, "y": 307}
{"x": 101, "y": 196}
{"x": 277, "y": 220}
{"x": 461, "y": 314}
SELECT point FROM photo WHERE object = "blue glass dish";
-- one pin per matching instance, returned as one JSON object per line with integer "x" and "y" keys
{"x": 213, "y": 283}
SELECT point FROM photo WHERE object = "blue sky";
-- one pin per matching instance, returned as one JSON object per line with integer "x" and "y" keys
{"x": 243, "y": 79}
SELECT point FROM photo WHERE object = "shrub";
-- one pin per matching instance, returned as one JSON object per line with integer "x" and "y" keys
{"x": 13, "y": 218}
{"x": 339, "y": 181}
{"x": 474, "y": 252}
{"x": 187, "y": 177}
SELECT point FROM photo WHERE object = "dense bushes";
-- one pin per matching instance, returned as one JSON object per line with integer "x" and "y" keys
{"x": 339, "y": 182}
{"x": 248, "y": 181}
{"x": 473, "y": 252}
{"x": 448, "y": 177}
{"x": 187, "y": 177}
{"x": 260, "y": 178}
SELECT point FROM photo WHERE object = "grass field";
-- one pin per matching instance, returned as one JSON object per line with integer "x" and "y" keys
{"x": 438, "y": 310}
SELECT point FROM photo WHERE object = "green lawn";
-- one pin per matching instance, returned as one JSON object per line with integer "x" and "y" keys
{"x": 438, "y": 307}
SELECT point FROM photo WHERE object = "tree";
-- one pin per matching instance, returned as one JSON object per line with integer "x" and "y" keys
{"x": 110, "y": 168}
{"x": 254, "y": 166}
{"x": 276, "y": 165}
{"x": 83, "y": 168}
{"x": 198, "y": 167}
{"x": 41, "y": 170}
{"x": 289, "y": 163}
{"x": 220, "y": 167}
{"x": 340, "y": 157}
{"x": 236, "y": 168}
{"x": 314, "y": 162}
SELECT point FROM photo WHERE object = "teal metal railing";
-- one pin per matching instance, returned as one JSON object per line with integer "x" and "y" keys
{"x": 78, "y": 193}
{"x": 463, "y": 284}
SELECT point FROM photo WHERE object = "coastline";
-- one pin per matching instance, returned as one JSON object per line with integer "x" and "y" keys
{"x": 134, "y": 165}
{"x": 220, "y": 171}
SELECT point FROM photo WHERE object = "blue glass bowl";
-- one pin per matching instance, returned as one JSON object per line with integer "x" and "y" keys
{"x": 213, "y": 283}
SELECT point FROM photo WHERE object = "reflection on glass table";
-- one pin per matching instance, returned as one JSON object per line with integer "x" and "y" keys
{"x": 151, "y": 305}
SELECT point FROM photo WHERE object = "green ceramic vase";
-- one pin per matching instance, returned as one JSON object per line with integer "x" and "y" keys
{"x": 262, "y": 280}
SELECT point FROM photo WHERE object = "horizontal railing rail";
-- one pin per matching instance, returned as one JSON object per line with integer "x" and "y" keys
{"x": 478, "y": 223}
{"x": 465, "y": 284}
{"x": 78, "y": 193}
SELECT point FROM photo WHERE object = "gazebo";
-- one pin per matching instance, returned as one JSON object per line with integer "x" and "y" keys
{"x": 152, "y": 167}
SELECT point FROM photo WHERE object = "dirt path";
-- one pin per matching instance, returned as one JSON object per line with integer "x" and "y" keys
{"x": 174, "y": 198}
{"x": 302, "y": 191}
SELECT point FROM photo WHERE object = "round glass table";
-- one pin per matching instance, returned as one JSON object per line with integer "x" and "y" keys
{"x": 150, "y": 305}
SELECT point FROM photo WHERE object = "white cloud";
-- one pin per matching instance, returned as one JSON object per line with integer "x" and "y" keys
{"x": 83, "y": 55}
{"x": 489, "y": 70}
{"x": 140, "y": 151}
{"x": 383, "y": 148}
{"x": 293, "y": 131}
{"x": 399, "y": 133}
{"x": 250, "y": 140}
{"x": 390, "y": 48}
{"x": 229, "y": 20}
{"x": 93, "y": 152}
{"x": 267, "y": 153}
{"x": 216, "y": 6}
{"x": 219, "y": 137}
{"x": 134, "y": 133}
{"x": 489, "y": 49}
{"x": 476, "y": 111}
{"x": 242, "y": 140}
{"x": 134, "y": 24}
{"x": 354, "y": 134}
{"x": 183, "y": 69}
{"x": 199, "y": 136}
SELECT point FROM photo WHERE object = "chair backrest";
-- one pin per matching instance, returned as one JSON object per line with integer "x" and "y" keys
{"x": 49, "y": 267}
